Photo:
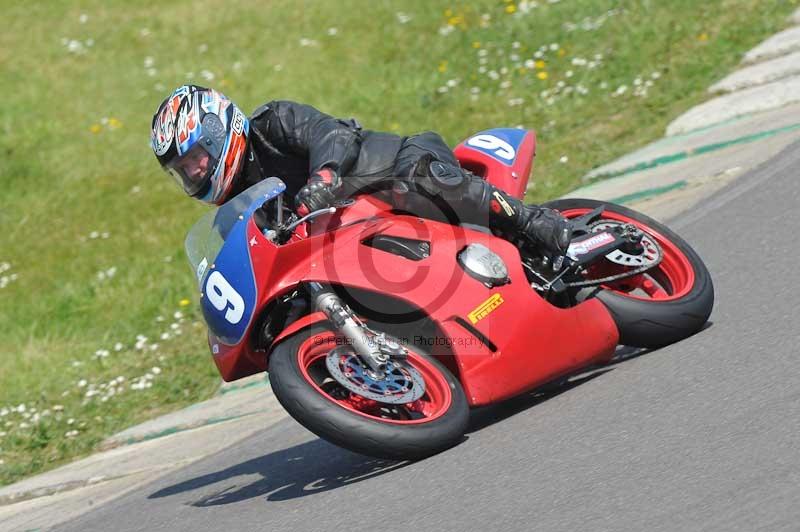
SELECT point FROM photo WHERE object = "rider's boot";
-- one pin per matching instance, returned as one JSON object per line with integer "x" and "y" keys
{"x": 475, "y": 200}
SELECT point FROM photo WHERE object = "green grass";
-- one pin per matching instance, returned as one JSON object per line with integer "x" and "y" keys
{"x": 74, "y": 157}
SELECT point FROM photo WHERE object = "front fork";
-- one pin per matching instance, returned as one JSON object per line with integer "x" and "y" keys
{"x": 373, "y": 349}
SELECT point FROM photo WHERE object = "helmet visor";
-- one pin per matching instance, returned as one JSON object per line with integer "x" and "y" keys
{"x": 193, "y": 170}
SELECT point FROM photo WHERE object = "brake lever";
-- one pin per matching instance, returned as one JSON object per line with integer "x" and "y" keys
{"x": 328, "y": 210}
{"x": 581, "y": 223}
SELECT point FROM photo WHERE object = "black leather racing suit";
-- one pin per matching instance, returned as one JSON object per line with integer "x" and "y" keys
{"x": 293, "y": 141}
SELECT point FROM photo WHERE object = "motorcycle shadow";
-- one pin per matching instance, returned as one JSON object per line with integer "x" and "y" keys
{"x": 299, "y": 471}
{"x": 480, "y": 418}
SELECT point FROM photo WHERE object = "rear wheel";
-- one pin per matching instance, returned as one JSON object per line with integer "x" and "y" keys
{"x": 302, "y": 381}
{"x": 665, "y": 304}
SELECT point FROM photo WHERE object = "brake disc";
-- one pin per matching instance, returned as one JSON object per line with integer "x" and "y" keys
{"x": 651, "y": 252}
{"x": 400, "y": 384}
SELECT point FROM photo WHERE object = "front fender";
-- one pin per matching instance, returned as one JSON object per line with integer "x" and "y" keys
{"x": 296, "y": 326}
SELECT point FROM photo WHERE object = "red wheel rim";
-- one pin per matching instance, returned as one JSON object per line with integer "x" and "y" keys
{"x": 672, "y": 279}
{"x": 433, "y": 404}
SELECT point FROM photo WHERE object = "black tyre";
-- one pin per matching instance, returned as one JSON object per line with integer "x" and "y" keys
{"x": 303, "y": 385}
{"x": 665, "y": 304}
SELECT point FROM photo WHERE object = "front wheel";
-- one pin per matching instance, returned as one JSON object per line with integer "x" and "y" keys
{"x": 302, "y": 383}
{"x": 663, "y": 305}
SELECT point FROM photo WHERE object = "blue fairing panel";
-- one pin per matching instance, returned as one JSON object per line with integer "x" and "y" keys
{"x": 229, "y": 294}
{"x": 501, "y": 144}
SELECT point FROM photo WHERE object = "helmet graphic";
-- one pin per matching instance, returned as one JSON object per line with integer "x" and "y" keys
{"x": 199, "y": 137}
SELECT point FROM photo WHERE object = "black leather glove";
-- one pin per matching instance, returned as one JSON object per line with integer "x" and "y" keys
{"x": 318, "y": 193}
{"x": 546, "y": 227}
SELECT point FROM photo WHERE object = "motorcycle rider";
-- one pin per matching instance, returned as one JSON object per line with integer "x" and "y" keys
{"x": 213, "y": 151}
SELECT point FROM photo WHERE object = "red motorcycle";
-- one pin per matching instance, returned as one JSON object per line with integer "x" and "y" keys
{"x": 381, "y": 329}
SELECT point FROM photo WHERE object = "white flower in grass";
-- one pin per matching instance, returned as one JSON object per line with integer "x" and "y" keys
{"x": 505, "y": 84}
{"x": 278, "y": 68}
{"x": 82, "y": 383}
{"x": 452, "y": 82}
{"x": 446, "y": 30}
{"x": 402, "y": 18}
{"x": 494, "y": 75}
{"x": 530, "y": 63}
{"x": 483, "y": 52}
{"x": 149, "y": 62}
{"x": 604, "y": 85}
{"x": 58, "y": 408}
{"x": 655, "y": 75}
{"x": 70, "y": 421}
{"x": 475, "y": 90}
{"x": 514, "y": 102}
{"x": 24, "y": 425}
{"x": 21, "y": 408}
{"x": 308, "y": 42}
{"x": 569, "y": 73}
{"x": 75, "y": 47}
{"x": 202, "y": 48}
{"x": 622, "y": 89}
{"x": 554, "y": 47}
{"x": 94, "y": 234}
{"x": 207, "y": 75}
{"x": 564, "y": 159}
{"x": 118, "y": 346}
{"x": 333, "y": 32}
{"x": 153, "y": 347}
{"x": 152, "y": 72}
{"x": 165, "y": 336}
{"x": 482, "y": 70}
{"x": 4, "y": 412}
{"x": 178, "y": 315}
{"x": 156, "y": 370}
{"x": 442, "y": 90}
{"x": 83, "y": 18}
{"x": 144, "y": 32}
{"x": 71, "y": 434}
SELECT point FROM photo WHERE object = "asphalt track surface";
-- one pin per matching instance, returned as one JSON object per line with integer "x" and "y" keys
{"x": 701, "y": 435}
